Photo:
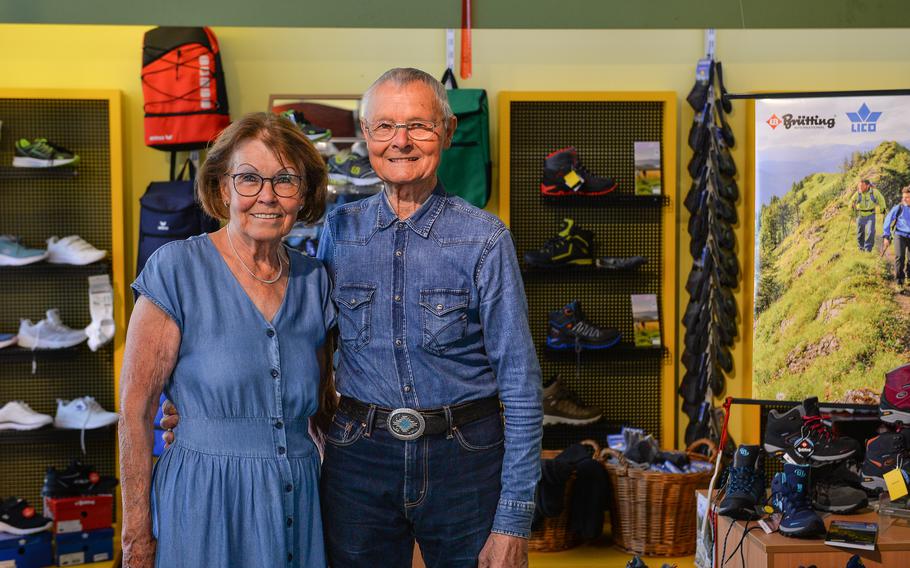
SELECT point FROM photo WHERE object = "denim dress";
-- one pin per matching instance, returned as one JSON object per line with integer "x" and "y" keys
{"x": 239, "y": 487}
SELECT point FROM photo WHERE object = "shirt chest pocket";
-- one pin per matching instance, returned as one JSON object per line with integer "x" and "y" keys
{"x": 445, "y": 318}
{"x": 355, "y": 305}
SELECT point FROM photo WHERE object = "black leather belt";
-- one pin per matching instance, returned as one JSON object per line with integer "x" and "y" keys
{"x": 410, "y": 424}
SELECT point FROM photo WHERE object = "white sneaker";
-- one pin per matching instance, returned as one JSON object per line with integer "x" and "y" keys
{"x": 72, "y": 250}
{"x": 83, "y": 414}
{"x": 17, "y": 415}
{"x": 49, "y": 333}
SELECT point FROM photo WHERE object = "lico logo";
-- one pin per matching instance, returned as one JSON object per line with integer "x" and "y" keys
{"x": 774, "y": 121}
{"x": 863, "y": 120}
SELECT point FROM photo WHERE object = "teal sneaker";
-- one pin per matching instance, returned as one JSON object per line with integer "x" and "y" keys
{"x": 12, "y": 253}
{"x": 313, "y": 132}
{"x": 349, "y": 167}
{"x": 40, "y": 153}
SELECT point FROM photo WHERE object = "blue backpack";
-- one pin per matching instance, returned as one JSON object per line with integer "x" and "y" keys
{"x": 169, "y": 212}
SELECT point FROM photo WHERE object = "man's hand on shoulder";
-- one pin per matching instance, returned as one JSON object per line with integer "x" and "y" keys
{"x": 504, "y": 551}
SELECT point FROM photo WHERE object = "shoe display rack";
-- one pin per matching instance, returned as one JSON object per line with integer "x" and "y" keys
{"x": 35, "y": 204}
{"x": 633, "y": 386}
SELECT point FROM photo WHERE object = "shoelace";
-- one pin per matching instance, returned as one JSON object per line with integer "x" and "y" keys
{"x": 568, "y": 396}
{"x": 41, "y": 145}
{"x": 77, "y": 243}
{"x": 741, "y": 479}
{"x": 814, "y": 424}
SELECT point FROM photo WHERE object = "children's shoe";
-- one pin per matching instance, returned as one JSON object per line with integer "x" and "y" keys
{"x": 310, "y": 130}
{"x": 801, "y": 436}
{"x": 572, "y": 246}
{"x": 563, "y": 175}
{"x": 745, "y": 485}
{"x": 49, "y": 333}
{"x": 83, "y": 414}
{"x": 18, "y": 517}
{"x": 895, "y": 401}
{"x": 790, "y": 496}
{"x": 570, "y": 330}
{"x": 12, "y": 253}
{"x": 40, "y": 153}
{"x": 72, "y": 250}
{"x": 350, "y": 167}
{"x": 17, "y": 415}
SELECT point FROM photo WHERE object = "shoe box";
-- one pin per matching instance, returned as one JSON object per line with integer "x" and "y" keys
{"x": 85, "y": 547}
{"x": 27, "y": 551}
{"x": 79, "y": 514}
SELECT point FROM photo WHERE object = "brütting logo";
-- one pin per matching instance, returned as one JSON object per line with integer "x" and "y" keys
{"x": 863, "y": 120}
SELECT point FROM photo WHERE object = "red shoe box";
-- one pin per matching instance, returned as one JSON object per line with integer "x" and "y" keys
{"x": 79, "y": 514}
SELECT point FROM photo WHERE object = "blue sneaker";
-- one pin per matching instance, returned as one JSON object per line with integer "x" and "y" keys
{"x": 7, "y": 339}
{"x": 790, "y": 496}
{"x": 12, "y": 253}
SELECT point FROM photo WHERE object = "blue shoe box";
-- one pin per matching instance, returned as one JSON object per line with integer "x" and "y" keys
{"x": 84, "y": 547}
{"x": 26, "y": 551}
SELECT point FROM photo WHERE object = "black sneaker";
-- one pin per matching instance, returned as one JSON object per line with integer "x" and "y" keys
{"x": 836, "y": 489}
{"x": 572, "y": 246}
{"x": 78, "y": 479}
{"x": 884, "y": 453}
{"x": 18, "y": 517}
{"x": 620, "y": 263}
{"x": 745, "y": 485}
{"x": 310, "y": 130}
{"x": 800, "y": 436}
{"x": 564, "y": 175}
{"x": 569, "y": 330}
{"x": 41, "y": 153}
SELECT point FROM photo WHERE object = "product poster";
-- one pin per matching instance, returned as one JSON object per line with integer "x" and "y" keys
{"x": 829, "y": 317}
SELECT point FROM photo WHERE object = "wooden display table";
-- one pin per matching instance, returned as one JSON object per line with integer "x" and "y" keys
{"x": 777, "y": 551}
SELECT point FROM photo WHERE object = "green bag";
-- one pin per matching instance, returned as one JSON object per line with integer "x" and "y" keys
{"x": 466, "y": 169}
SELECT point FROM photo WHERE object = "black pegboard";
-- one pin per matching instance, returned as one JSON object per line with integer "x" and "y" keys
{"x": 627, "y": 389}
{"x": 35, "y": 205}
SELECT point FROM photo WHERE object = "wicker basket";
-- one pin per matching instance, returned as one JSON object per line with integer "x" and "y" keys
{"x": 554, "y": 534}
{"x": 653, "y": 513}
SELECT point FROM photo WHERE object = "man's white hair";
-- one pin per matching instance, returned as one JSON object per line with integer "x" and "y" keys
{"x": 402, "y": 76}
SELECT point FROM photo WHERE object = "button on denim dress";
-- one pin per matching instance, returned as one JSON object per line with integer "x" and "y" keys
{"x": 240, "y": 485}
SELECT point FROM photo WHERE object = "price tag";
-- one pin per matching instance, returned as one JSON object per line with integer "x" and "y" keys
{"x": 897, "y": 488}
{"x": 573, "y": 180}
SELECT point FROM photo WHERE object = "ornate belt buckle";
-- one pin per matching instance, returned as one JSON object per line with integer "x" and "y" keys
{"x": 406, "y": 424}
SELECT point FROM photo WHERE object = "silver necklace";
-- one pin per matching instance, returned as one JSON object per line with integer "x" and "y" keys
{"x": 247, "y": 268}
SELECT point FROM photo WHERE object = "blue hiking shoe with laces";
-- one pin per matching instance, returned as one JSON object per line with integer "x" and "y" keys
{"x": 745, "y": 485}
{"x": 790, "y": 496}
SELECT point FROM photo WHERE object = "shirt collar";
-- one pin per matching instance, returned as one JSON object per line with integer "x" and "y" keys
{"x": 422, "y": 220}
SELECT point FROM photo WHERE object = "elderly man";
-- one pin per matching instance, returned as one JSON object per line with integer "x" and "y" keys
{"x": 433, "y": 336}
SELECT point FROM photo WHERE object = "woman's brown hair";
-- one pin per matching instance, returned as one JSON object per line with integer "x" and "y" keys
{"x": 291, "y": 147}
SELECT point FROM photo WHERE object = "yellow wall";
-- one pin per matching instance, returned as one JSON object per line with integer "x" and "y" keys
{"x": 259, "y": 61}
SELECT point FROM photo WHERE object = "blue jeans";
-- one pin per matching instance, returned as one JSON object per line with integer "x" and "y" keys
{"x": 379, "y": 494}
{"x": 865, "y": 231}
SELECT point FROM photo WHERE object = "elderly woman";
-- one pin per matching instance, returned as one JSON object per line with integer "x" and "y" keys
{"x": 233, "y": 327}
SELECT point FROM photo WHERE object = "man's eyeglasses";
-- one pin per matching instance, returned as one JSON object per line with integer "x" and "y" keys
{"x": 385, "y": 130}
{"x": 249, "y": 184}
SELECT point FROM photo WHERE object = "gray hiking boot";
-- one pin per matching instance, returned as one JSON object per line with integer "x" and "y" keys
{"x": 562, "y": 406}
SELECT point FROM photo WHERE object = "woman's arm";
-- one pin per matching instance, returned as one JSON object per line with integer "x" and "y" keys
{"x": 152, "y": 344}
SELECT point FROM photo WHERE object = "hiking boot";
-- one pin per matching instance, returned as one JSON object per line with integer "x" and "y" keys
{"x": 570, "y": 330}
{"x": 836, "y": 489}
{"x": 572, "y": 245}
{"x": 620, "y": 263}
{"x": 76, "y": 480}
{"x": 310, "y": 130}
{"x": 895, "y": 401}
{"x": 745, "y": 485}
{"x": 790, "y": 496}
{"x": 562, "y": 406}
{"x": 349, "y": 167}
{"x": 40, "y": 153}
{"x": 563, "y": 175}
{"x": 801, "y": 436}
{"x": 884, "y": 453}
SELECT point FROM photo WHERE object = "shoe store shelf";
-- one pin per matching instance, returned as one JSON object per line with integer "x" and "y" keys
{"x": 23, "y": 354}
{"x": 607, "y": 201}
{"x": 586, "y": 272}
{"x": 53, "y": 435}
{"x": 38, "y": 269}
{"x": 621, "y": 352}
{"x": 9, "y": 172}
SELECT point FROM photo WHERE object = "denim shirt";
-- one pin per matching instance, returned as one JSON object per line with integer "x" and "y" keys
{"x": 432, "y": 312}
